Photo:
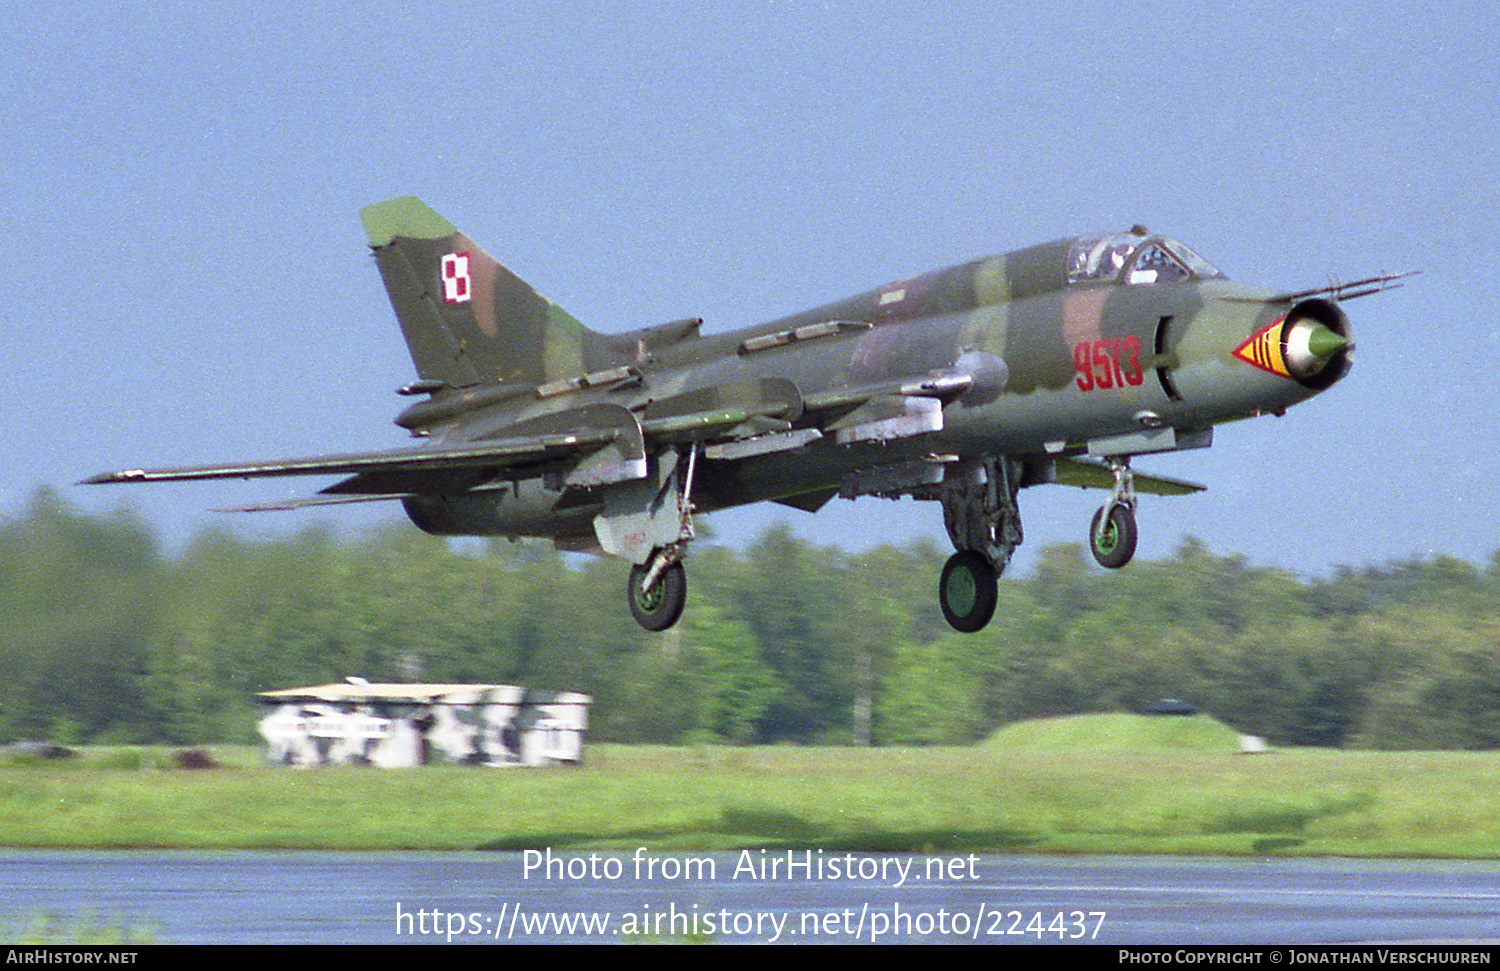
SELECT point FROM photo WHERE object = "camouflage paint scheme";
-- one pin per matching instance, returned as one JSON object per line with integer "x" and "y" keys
{"x": 1054, "y": 363}
{"x": 402, "y": 725}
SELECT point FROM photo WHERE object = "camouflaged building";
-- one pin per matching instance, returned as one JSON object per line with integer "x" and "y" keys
{"x": 396, "y": 725}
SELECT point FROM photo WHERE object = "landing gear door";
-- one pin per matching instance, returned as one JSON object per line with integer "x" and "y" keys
{"x": 649, "y": 514}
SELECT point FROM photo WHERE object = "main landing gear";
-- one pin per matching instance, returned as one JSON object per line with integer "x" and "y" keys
{"x": 657, "y": 604}
{"x": 984, "y": 523}
{"x": 649, "y": 522}
{"x": 968, "y": 591}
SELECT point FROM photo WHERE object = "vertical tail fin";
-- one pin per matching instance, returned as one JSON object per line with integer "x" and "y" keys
{"x": 467, "y": 320}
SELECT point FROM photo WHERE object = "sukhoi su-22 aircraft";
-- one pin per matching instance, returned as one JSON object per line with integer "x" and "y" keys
{"x": 1057, "y": 363}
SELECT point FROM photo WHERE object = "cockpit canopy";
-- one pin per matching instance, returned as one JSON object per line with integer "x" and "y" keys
{"x": 1134, "y": 257}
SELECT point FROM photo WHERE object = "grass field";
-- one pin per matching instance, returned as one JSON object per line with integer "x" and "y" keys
{"x": 1116, "y": 732}
{"x": 991, "y": 799}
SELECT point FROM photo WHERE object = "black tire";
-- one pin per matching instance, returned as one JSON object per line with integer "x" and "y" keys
{"x": 1113, "y": 542}
{"x": 967, "y": 591}
{"x": 661, "y": 606}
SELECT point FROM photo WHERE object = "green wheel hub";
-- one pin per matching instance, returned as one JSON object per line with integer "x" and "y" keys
{"x": 649, "y": 599}
{"x": 961, "y": 591}
{"x": 1107, "y": 539}
{"x": 1112, "y": 536}
{"x": 967, "y": 591}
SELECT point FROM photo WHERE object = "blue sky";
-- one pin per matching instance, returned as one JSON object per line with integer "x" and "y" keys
{"x": 189, "y": 281}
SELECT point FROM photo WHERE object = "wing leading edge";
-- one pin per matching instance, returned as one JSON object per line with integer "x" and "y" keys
{"x": 498, "y": 452}
{"x": 387, "y": 474}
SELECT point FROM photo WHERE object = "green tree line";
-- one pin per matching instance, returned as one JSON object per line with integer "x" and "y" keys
{"x": 106, "y": 637}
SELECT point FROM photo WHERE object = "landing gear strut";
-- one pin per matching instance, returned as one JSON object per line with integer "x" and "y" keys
{"x": 984, "y": 523}
{"x": 1112, "y": 534}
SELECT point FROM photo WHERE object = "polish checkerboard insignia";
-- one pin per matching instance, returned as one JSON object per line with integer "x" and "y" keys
{"x": 456, "y": 283}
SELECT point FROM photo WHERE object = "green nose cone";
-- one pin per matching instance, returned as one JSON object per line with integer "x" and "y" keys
{"x": 1323, "y": 342}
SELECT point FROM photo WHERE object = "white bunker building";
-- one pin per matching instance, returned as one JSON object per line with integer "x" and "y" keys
{"x": 395, "y": 725}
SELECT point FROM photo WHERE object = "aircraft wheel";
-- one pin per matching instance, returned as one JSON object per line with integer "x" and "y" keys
{"x": 659, "y": 607}
{"x": 967, "y": 591}
{"x": 1112, "y": 540}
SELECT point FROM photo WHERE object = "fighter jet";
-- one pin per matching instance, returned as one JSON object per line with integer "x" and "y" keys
{"x": 1057, "y": 363}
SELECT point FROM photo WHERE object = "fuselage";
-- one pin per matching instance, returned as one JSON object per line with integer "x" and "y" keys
{"x": 1107, "y": 346}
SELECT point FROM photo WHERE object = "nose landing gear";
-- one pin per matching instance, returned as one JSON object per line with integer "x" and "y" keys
{"x": 1112, "y": 534}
